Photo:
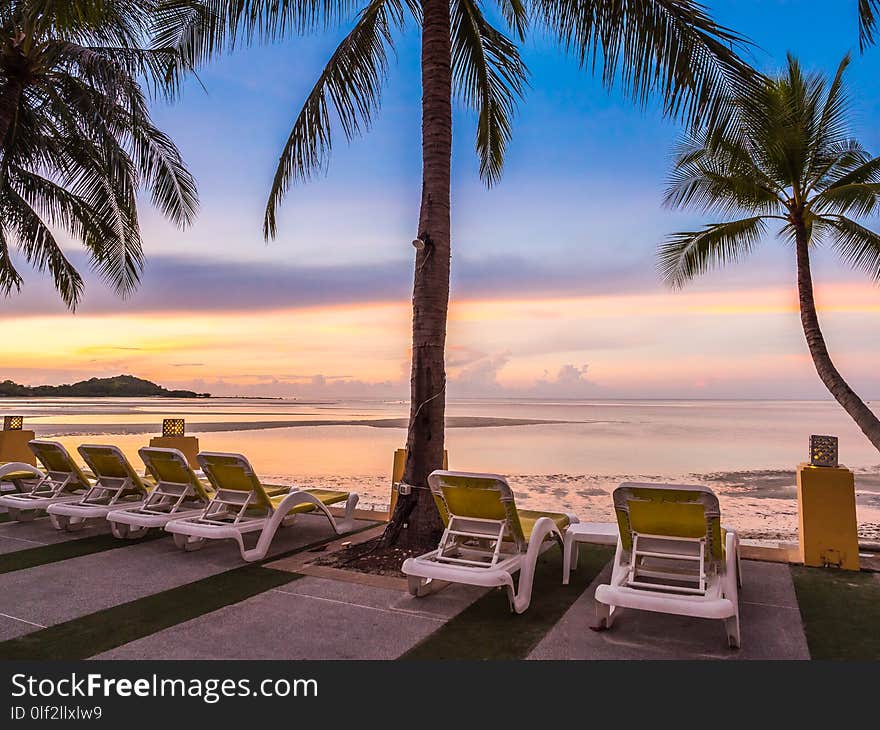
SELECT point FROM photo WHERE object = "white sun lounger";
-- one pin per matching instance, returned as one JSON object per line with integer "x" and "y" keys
{"x": 241, "y": 505}
{"x": 487, "y": 540}
{"x": 672, "y": 556}
{"x": 62, "y": 481}
{"x": 117, "y": 486}
{"x": 178, "y": 493}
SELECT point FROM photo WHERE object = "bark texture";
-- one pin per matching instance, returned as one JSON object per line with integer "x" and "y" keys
{"x": 416, "y": 522}
{"x": 837, "y": 386}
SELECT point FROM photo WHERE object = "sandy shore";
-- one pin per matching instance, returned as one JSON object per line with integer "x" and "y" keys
{"x": 760, "y": 504}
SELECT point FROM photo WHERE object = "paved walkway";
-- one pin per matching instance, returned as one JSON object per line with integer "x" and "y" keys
{"x": 311, "y": 617}
{"x": 770, "y": 622}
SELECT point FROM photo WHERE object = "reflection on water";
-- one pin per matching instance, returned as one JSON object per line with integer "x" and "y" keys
{"x": 571, "y": 464}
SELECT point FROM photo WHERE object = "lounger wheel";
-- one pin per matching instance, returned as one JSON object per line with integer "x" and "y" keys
{"x": 21, "y": 515}
{"x": 124, "y": 531}
{"x": 188, "y": 543}
{"x": 414, "y": 584}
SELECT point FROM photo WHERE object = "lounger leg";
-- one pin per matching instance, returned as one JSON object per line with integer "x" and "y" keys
{"x": 20, "y": 515}
{"x": 543, "y": 528}
{"x": 732, "y": 626}
{"x": 570, "y": 553}
{"x": 603, "y": 617}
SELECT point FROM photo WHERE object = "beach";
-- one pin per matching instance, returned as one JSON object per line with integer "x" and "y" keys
{"x": 557, "y": 454}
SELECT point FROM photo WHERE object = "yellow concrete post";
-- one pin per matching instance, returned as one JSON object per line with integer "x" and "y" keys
{"x": 186, "y": 445}
{"x": 397, "y": 470}
{"x": 827, "y": 516}
{"x": 14, "y": 447}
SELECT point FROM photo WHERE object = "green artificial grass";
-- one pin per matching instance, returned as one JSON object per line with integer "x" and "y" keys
{"x": 841, "y": 612}
{"x": 33, "y": 557}
{"x": 488, "y": 630}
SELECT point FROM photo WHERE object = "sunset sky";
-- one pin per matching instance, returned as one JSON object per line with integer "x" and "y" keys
{"x": 554, "y": 287}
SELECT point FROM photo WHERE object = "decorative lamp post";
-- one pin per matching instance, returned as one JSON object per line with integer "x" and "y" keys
{"x": 827, "y": 526}
{"x": 173, "y": 437}
{"x": 14, "y": 441}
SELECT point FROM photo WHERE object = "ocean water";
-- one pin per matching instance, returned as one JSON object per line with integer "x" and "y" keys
{"x": 557, "y": 454}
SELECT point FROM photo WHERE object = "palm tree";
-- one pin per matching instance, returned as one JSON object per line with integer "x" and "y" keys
{"x": 790, "y": 158}
{"x": 670, "y": 48}
{"x": 76, "y": 140}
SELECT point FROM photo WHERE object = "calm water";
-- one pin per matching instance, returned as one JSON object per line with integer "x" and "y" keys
{"x": 746, "y": 450}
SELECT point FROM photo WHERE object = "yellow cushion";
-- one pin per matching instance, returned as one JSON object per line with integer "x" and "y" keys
{"x": 528, "y": 518}
{"x": 16, "y": 475}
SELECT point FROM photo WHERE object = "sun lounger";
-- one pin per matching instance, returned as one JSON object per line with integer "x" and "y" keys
{"x": 241, "y": 504}
{"x": 487, "y": 540}
{"x": 117, "y": 486}
{"x": 672, "y": 556}
{"x": 62, "y": 481}
{"x": 178, "y": 493}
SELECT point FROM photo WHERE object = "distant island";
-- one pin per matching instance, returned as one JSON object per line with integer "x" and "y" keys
{"x": 120, "y": 386}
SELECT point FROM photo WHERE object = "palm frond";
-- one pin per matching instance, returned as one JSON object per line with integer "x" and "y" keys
{"x": 869, "y": 11}
{"x": 688, "y": 254}
{"x": 857, "y": 245}
{"x": 489, "y": 75}
{"x": 671, "y": 48}
{"x": 859, "y": 199}
{"x": 10, "y": 279}
{"x": 40, "y": 247}
{"x": 351, "y": 82}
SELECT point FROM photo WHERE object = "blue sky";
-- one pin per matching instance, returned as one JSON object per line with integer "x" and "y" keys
{"x": 577, "y": 216}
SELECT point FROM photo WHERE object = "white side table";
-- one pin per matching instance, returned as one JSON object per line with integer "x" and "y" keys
{"x": 599, "y": 533}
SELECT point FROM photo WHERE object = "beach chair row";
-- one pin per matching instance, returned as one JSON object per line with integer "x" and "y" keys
{"x": 227, "y": 501}
{"x": 672, "y": 554}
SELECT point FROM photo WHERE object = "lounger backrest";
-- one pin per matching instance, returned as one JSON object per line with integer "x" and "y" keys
{"x": 673, "y": 510}
{"x": 110, "y": 463}
{"x": 55, "y": 458}
{"x": 171, "y": 466}
{"x": 480, "y": 496}
{"x": 233, "y": 472}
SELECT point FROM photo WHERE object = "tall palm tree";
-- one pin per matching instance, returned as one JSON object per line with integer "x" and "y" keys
{"x": 670, "y": 48}
{"x": 76, "y": 139}
{"x": 789, "y": 158}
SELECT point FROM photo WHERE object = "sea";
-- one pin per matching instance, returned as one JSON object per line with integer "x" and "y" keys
{"x": 557, "y": 454}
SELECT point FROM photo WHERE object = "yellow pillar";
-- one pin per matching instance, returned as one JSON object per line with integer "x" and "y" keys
{"x": 14, "y": 447}
{"x": 186, "y": 445}
{"x": 397, "y": 470}
{"x": 827, "y": 516}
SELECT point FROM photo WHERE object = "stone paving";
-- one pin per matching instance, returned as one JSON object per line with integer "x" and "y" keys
{"x": 314, "y": 617}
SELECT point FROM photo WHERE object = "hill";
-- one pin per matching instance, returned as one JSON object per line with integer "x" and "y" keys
{"x": 120, "y": 386}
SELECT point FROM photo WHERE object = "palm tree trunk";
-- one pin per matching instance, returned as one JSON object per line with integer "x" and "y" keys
{"x": 837, "y": 386}
{"x": 9, "y": 101}
{"x": 424, "y": 442}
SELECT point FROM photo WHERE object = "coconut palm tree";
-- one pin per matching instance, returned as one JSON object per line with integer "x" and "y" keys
{"x": 788, "y": 159}
{"x": 76, "y": 139}
{"x": 668, "y": 48}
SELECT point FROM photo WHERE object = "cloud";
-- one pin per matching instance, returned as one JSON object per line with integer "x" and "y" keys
{"x": 178, "y": 284}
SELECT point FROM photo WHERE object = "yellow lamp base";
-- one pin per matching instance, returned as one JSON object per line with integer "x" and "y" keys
{"x": 397, "y": 474}
{"x": 828, "y": 529}
{"x": 14, "y": 447}
{"x": 186, "y": 445}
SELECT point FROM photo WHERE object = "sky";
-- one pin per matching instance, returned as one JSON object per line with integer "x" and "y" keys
{"x": 554, "y": 285}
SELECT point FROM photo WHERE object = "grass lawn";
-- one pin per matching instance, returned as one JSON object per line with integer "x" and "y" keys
{"x": 488, "y": 630}
{"x": 840, "y": 611}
